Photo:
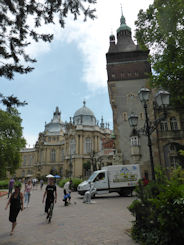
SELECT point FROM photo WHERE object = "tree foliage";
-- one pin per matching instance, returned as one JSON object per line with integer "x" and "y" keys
{"x": 11, "y": 140}
{"x": 160, "y": 29}
{"x": 20, "y": 22}
{"x": 159, "y": 210}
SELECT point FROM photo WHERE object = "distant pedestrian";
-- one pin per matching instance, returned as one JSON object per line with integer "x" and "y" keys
{"x": 10, "y": 186}
{"x": 27, "y": 193}
{"x": 41, "y": 184}
{"x": 67, "y": 192}
{"x": 145, "y": 179}
{"x": 16, "y": 204}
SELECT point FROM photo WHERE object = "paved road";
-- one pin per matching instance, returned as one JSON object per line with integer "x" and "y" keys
{"x": 102, "y": 223}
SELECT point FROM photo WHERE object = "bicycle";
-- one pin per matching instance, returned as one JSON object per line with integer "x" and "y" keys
{"x": 50, "y": 212}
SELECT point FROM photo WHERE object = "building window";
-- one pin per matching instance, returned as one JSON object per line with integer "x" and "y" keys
{"x": 30, "y": 159}
{"x": 49, "y": 138}
{"x": 173, "y": 161}
{"x": 163, "y": 126}
{"x": 57, "y": 138}
{"x": 23, "y": 173}
{"x": 24, "y": 161}
{"x": 53, "y": 155}
{"x": 88, "y": 145}
{"x": 134, "y": 141}
{"x": 125, "y": 116}
{"x": 62, "y": 155}
{"x": 72, "y": 146}
{"x": 173, "y": 123}
{"x": 41, "y": 156}
{"x": 172, "y": 147}
{"x": 141, "y": 116}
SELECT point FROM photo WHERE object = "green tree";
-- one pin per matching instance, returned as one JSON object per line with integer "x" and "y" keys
{"x": 20, "y": 22}
{"x": 160, "y": 29}
{"x": 87, "y": 166}
{"x": 11, "y": 141}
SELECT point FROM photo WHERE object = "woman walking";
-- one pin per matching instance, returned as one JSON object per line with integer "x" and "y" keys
{"x": 16, "y": 204}
{"x": 27, "y": 193}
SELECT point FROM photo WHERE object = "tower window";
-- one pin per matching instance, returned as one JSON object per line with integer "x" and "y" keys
{"x": 141, "y": 116}
{"x": 125, "y": 117}
{"x": 163, "y": 126}
{"x": 173, "y": 123}
{"x": 134, "y": 141}
{"x": 113, "y": 76}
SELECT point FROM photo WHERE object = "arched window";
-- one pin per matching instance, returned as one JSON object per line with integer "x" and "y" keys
{"x": 72, "y": 146}
{"x": 134, "y": 141}
{"x": 62, "y": 154}
{"x": 53, "y": 155}
{"x": 173, "y": 123}
{"x": 88, "y": 145}
{"x": 163, "y": 126}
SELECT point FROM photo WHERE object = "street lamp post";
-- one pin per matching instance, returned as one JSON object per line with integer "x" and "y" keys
{"x": 162, "y": 100}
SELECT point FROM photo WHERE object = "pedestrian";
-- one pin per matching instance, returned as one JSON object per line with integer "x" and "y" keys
{"x": 51, "y": 195}
{"x": 10, "y": 186}
{"x": 27, "y": 193}
{"x": 16, "y": 204}
{"x": 145, "y": 179}
{"x": 67, "y": 192}
{"x": 41, "y": 184}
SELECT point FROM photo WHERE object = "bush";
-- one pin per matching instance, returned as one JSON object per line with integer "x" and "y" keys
{"x": 159, "y": 211}
{"x": 75, "y": 183}
{"x": 4, "y": 184}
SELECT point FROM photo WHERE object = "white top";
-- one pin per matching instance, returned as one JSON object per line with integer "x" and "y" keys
{"x": 67, "y": 186}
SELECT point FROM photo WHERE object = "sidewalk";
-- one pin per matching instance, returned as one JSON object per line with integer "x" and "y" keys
{"x": 103, "y": 223}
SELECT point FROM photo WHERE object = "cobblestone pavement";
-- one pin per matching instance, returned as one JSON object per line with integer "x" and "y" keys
{"x": 104, "y": 222}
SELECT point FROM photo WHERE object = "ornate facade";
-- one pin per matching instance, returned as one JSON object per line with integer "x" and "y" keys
{"x": 63, "y": 148}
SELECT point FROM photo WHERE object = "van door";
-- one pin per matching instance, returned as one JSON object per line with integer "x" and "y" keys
{"x": 101, "y": 183}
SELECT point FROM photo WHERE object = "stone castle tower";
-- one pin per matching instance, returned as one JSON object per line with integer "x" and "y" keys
{"x": 127, "y": 69}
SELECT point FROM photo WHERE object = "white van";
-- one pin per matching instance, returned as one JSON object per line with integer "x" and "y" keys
{"x": 116, "y": 178}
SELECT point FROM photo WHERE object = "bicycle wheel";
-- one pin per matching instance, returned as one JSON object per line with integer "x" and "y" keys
{"x": 50, "y": 212}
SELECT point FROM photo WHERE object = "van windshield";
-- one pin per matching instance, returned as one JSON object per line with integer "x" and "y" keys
{"x": 91, "y": 178}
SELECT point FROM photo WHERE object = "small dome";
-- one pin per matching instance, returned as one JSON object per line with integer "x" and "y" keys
{"x": 56, "y": 125}
{"x": 84, "y": 116}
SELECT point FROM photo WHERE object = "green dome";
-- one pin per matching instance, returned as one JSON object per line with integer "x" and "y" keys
{"x": 123, "y": 25}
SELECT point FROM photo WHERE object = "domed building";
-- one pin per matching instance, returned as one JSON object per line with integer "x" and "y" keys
{"x": 66, "y": 148}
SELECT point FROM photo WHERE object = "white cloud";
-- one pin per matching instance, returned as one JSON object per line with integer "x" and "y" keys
{"x": 92, "y": 37}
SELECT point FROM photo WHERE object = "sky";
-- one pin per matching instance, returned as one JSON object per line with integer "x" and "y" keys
{"x": 71, "y": 68}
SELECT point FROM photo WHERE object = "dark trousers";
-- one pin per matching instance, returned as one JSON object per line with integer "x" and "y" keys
{"x": 47, "y": 204}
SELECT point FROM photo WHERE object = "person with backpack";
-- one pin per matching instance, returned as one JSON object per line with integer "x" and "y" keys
{"x": 16, "y": 204}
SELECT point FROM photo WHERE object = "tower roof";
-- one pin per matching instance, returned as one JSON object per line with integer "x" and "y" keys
{"x": 123, "y": 25}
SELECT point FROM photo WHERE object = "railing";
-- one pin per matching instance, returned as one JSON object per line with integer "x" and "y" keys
{"x": 173, "y": 134}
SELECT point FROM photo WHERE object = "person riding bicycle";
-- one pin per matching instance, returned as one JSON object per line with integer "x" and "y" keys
{"x": 67, "y": 192}
{"x": 51, "y": 193}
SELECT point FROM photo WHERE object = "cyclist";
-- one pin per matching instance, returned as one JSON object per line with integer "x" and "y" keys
{"x": 51, "y": 193}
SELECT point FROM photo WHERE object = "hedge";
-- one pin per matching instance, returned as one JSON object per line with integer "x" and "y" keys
{"x": 75, "y": 183}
